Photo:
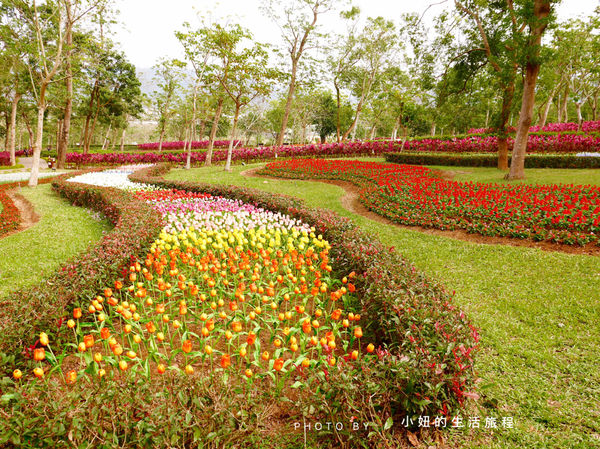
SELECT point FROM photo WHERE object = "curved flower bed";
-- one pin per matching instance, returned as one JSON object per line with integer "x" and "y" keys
{"x": 430, "y": 342}
{"x": 25, "y": 313}
{"x": 417, "y": 196}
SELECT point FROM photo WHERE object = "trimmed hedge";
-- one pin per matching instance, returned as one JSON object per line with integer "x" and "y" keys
{"x": 25, "y": 313}
{"x": 433, "y": 342}
{"x": 491, "y": 160}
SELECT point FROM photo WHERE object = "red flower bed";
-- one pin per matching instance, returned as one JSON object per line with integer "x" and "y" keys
{"x": 417, "y": 196}
{"x": 9, "y": 217}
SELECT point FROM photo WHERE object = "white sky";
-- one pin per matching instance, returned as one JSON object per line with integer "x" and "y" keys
{"x": 147, "y": 27}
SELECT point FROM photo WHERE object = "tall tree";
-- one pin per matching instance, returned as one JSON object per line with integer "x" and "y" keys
{"x": 247, "y": 76}
{"x": 168, "y": 78}
{"x": 297, "y": 20}
{"x": 536, "y": 19}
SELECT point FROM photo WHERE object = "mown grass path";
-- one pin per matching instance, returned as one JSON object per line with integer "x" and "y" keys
{"x": 63, "y": 231}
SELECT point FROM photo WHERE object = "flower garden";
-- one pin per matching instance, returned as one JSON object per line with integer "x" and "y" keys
{"x": 418, "y": 196}
{"x": 207, "y": 291}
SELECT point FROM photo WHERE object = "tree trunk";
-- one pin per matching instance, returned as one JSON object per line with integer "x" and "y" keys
{"x": 161, "y": 137}
{"x": 578, "y": 105}
{"x": 63, "y": 142}
{"x": 13, "y": 127}
{"x": 122, "y": 148}
{"x": 432, "y": 131}
{"x": 288, "y": 103}
{"x": 213, "y": 132}
{"x": 594, "y": 106}
{"x": 37, "y": 148}
{"x": 187, "y": 148}
{"x": 7, "y": 127}
{"x": 508, "y": 95}
{"x": 503, "y": 153}
{"x": 232, "y": 138}
{"x": 541, "y": 10}
{"x": 372, "y": 132}
{"x": 565, "y": 104}
{"x": 544, "y": 114}
{"x": 337, "y": 115}
{"x": 85, "y": 139}
{"x": 105, "y": 143}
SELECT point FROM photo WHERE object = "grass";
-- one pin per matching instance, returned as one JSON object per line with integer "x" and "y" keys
{"x": 533, "y": 175}
{"x": 538, "y": 313}
{"x": 62, "y": 232}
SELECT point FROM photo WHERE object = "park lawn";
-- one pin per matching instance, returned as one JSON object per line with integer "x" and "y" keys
{"x": 62, "y": 232}
{"x": 538, "y": 313}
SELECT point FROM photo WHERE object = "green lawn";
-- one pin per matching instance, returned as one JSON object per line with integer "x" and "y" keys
{"x": 62, "y": 232}
{"x": 538, "y": 313}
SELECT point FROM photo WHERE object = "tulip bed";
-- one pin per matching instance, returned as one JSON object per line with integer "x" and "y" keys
{"x": 417, "y": 196}
{"x": 238, "y": 300}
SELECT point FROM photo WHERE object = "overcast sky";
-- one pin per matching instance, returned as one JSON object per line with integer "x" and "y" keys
{"x": 147, "y": 27}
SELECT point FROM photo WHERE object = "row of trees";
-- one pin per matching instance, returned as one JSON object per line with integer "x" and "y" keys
{"x": 478, "y": 67}
{"x": 60, "y": 66}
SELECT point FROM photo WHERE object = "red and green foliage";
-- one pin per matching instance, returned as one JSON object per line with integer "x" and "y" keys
{"x": 418, "y": 196}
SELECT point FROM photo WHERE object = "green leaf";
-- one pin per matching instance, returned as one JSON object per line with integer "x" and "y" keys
{"x": 388, "y": 424}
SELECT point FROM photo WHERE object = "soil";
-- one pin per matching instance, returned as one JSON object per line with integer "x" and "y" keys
{"x": 26, "y": 211}
{"x": 351, "y": 201}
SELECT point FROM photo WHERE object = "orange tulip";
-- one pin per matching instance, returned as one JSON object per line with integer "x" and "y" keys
{"x": 358, "y": 332}
{"x": 265, "y": 355}
{"x": 117, "y": 349}
{"x": 77, "y": 313}
{"x": 251, "y": 338}
{"x": 278, "y": 364}
{"x": 17, "y": 374}
{"x": 225, "y": 361}
{"x": 248, "y": 373}
{"x": 161, "y": 368}
{"x": 370, "y": 348}
{"x": 71, "y": 377}
{"x": 101, "y": 372}
{"x": 306, "y": 363}
{"x": 243, "y": 351}
{"x": 189, "y": 369}
{"x": 88, "y": 340}
{"x": 38, "y": 372}
{"x": 104, "y": 333}
{"x": 118, "y": 285}
{"x": 70, "y": 324}
{"x": 150, "y": 327}
{"x": 208, "y": 349}
{"x": 123, "y": 365}
{"x": 187, "y": 346}
{"x": 39, "y": 354}
{"x": 336, "y": 314}
{"x": 306, "y": 327}
{"x": 354, "y": 355}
